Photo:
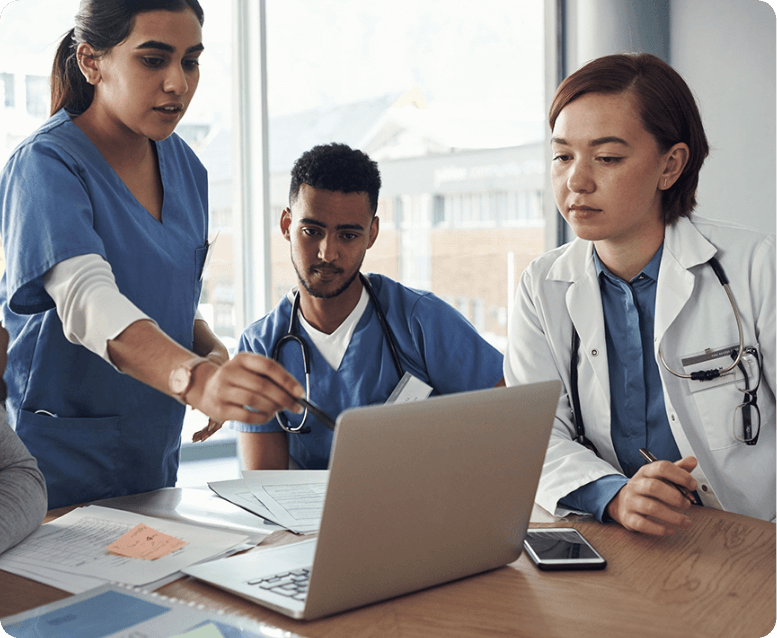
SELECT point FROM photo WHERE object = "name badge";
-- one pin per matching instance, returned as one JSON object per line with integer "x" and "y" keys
{"x": 409, "y": 389}
{"x": 711, "y": 359}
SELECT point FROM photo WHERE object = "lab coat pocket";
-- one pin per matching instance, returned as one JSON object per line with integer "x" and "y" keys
{"x": 78, "y": 456}
{"x": 716, "y": 408}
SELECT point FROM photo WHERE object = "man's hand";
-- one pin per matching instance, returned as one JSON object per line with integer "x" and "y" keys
{"x": 648, "y": 504}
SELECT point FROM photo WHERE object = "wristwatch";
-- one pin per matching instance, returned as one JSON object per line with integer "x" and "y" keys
{"x": 181, "y": 378}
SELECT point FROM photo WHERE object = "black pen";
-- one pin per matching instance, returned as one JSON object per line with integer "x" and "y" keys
{"x": 684, "y": 491}
{"x": 317, "y": 412}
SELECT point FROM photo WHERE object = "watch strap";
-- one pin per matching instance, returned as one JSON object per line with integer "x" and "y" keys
{"x": 183, "y": 374}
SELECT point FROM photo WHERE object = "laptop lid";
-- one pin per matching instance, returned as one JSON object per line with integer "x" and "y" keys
{"x": 427, "y": 492}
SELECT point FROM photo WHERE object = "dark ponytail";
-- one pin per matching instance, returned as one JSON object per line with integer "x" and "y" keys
{"x": 69, "y": 88}
{"x": 103, "y": 24}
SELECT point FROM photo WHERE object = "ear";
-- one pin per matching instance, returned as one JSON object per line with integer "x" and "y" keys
{"x": 675, "y": 160}
{"x": 88, "y": 63}
{"x": 286, "y": 223}
{"x": 374, "y": 229}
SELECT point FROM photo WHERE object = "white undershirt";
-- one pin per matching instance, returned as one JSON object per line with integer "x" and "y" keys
{"x": 333, "y": 346}
{"x": 89, "y": 303}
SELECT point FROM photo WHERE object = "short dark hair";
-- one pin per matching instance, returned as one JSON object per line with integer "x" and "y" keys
{"x": 102, "y": 24}
{"x": 666, "y": 106}
{"x": 336, "y": 167}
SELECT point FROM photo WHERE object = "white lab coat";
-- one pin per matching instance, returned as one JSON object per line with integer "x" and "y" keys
{"x": 692, "y": 314}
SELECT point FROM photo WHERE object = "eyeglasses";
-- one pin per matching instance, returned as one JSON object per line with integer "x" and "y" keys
{"x": 747, "y": 415}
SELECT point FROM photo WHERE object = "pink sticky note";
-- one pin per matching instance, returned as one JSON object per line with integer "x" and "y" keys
{"x": 146, "y": 543}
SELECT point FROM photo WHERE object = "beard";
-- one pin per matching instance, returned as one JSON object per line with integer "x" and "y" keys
{"x": 313, "y": 291}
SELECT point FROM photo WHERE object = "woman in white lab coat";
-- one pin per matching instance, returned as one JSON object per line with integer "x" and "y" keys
{"x": 628, "y": 145}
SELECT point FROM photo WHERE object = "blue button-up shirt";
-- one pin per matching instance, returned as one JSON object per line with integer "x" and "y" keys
{"x": 638, "y": 413}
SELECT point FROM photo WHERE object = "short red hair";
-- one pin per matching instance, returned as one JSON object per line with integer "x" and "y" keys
{"x": 668, "y": 112}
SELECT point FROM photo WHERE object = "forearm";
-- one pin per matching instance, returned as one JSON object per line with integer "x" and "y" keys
{"x": 207, "y": 344}
{"x": 248, "y": 388}
{"x": 22, "y": 504}
{"x": 98, "y": 316}
{"x": 22, "y": 490}
{"x": 147, "y": 354}
{"x": 82, "y": 288}
{"x": 264, "y": 450}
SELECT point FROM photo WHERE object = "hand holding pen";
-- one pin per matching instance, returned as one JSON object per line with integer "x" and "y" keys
{"x": 652, "y": 501}
{"x": 646, "y": 454}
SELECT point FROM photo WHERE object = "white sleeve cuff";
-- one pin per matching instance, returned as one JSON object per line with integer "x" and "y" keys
{"x": 89, "y": 303}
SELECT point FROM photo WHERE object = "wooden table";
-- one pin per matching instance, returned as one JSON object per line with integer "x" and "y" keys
{"x": 715, "y": 579}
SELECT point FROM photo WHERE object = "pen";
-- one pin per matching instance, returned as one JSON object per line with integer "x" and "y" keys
{"x": 317, "y": 412}
{"x": 684, "y": 491}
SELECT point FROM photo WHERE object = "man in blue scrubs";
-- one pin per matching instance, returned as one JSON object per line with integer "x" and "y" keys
{"x": 330, "y": 224}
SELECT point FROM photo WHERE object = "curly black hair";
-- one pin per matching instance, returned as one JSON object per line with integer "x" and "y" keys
{"x": 336, "y": 167}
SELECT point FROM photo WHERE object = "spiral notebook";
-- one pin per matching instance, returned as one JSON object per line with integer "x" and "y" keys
{"x": 110, "y": 611}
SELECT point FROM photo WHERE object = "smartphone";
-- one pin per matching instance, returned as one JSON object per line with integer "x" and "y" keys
{"x": 561, "y": 548}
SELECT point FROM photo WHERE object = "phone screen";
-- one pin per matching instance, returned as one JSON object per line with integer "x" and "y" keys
{"x": 561, "y": 548}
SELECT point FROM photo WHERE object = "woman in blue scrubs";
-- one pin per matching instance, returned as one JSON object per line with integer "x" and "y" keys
{"x": 104, "y": 226}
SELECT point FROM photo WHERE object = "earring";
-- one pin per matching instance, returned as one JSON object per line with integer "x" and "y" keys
{"x": 664, "y": 182}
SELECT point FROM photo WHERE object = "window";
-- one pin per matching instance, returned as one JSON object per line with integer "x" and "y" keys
{"x": 37, "y": 97}
{"x": 447, "y": 97}
{"x": 7, "y": 87}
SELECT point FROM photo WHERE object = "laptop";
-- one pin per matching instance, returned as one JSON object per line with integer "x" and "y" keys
{"x": 419, "y": 494}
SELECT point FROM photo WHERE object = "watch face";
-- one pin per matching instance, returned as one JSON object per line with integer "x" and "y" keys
{"x": 179, "y": 380}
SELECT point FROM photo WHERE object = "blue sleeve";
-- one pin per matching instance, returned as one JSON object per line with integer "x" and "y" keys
{"x": 47, "y": 217}
{"x": 457, "y": 358}
{"x": 594, "y": 497}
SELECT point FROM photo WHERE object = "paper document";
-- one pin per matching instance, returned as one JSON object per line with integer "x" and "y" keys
{"x": 295, "y": 498}
{"x": 409, "y": 389}
{"x": 114, "y": 612}
{"x": 76, "y": 544}
{"x": 237, "y": 492}
{"x": 196, "y": 506}
{"x": 291, "y": 499}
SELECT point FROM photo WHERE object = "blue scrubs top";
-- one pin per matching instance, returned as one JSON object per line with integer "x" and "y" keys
{"x": 110, "y": 434}
{"x": 435, "y": 342}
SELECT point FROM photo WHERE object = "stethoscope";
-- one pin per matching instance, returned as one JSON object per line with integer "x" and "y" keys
{"x": 699, "y": 375}
{"x": 290, "y": 336}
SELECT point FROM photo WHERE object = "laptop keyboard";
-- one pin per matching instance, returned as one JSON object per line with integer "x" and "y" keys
{"x": 293, "y": 584}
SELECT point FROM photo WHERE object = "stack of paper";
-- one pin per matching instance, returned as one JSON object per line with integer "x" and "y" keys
{"x": 195, "y": 506}
{"x": 71, "y": 553}
{"x": 293, "y": 499}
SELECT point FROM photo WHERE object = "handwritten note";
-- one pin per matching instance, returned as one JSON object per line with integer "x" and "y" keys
{"x": 144, "y": 542}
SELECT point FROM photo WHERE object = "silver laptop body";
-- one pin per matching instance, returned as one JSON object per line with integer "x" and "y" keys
{"x": 419, "y": 494}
